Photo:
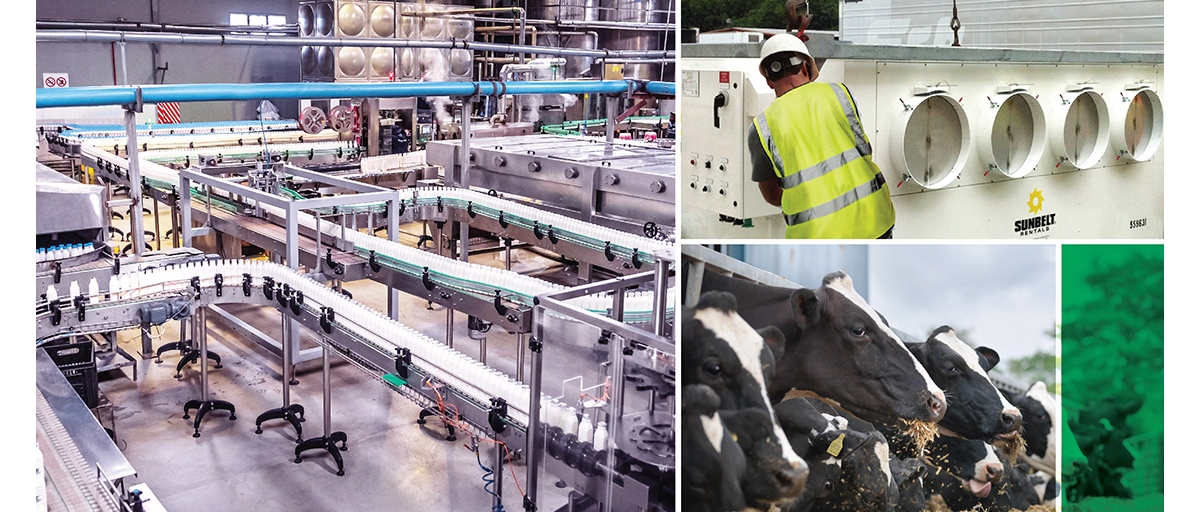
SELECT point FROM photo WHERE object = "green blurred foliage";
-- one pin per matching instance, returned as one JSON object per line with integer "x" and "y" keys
{"x": 1032, "y": 368}
{"x": 1112, "y": 333}
{"x": 708, "y": 15}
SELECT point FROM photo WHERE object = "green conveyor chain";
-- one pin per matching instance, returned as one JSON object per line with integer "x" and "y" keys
{"x": 572, "y": 127}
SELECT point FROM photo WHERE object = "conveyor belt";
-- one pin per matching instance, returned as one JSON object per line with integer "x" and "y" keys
{"x": 71, "y": 481}
{"x": 378, "y": 338}
{"x": 484, "y": 280}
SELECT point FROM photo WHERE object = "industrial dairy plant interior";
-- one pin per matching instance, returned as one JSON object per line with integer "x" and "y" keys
{"x": 332, "y": 255}
{"x": 986, "y": 140}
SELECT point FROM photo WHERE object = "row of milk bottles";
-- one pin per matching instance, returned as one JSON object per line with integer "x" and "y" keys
{"x": 557, "y": 414}
{"x": 59, "y": 252}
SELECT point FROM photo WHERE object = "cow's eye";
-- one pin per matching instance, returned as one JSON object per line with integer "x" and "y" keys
{"x": 713, "y": 369}
{"x": 952, "y": 370}
{"x": 829, "y": 485}
{"x": 858, "y": 330}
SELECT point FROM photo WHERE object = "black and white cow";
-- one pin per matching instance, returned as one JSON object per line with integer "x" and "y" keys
{"x": 848, "y": 466}
{"x": 975, "y": 409}
{"x": 910, "y": 486}
{"x": 1039, "y": 408}
{"x": 838, "y": 348}
{"x": 962, "y": 471}
{"x": 1018, "y": 488}
{"x": 712, "y": 464}
{"x": 721, "y": 351}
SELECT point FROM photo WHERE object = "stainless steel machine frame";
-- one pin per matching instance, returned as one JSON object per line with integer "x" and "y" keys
{"x": 624, "y": 338}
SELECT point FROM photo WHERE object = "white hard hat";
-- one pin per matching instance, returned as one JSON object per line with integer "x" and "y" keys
{"x": 785, "y": 43}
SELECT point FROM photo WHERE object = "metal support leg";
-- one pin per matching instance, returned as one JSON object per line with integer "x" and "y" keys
{"x": 175, "y": 223}
{"x": 610, "y": 124}
{"x": 157, "y": 228}
{"x": 521, "y": 357}
{"x": 204, "y": 405}
{"x": 534, "y": 443}
{"x": 292, "y": 413}
{"x": 617, "y": 402}
{"x": 329, "y": 440}
{"x": 498, "y": 477}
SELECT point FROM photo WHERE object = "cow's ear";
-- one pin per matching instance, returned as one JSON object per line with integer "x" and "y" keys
{"x": 904, "y": 470}
{"x": 700, "y": 399}
{"x": 917, "y": 349}
{"x": 838, "y": 443}
{"x": 774, "y": 338}
{"x": 806, "y": 307}
{"x": 988, "y": 358}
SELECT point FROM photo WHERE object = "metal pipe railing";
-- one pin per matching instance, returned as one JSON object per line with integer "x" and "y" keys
{"x": 125, "y": 95}
{"x": 90, "y": 36}
{"x": 137, "y": 26}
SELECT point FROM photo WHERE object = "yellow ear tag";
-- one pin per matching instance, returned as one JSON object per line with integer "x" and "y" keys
{"x": 734, "y": 436}
{"x": 835, "y": 448}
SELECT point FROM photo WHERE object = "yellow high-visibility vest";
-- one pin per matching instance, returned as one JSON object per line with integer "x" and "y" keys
{"x": 831, "y": 186}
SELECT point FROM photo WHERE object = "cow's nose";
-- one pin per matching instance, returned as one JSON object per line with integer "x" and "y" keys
{"x": 936, "y": 404}
{"x": 995, "y": 472}
{"x": 792, "y": 478}
{"x": 1010, "y": 420}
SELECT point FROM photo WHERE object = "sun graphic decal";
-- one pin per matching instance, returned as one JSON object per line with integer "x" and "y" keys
{"x": 1035, "y": 201}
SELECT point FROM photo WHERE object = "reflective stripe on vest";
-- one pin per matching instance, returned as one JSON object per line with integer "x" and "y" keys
{"x": 862, "y": 147}
{"x": 838, "y": 195}
{"x": 838, "y": 202}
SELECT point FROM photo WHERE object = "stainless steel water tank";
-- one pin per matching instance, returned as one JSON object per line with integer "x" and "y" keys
{"x": 636, "y": 12}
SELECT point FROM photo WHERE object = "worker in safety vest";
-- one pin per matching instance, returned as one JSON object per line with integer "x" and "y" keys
{"x": 809, "y": 153}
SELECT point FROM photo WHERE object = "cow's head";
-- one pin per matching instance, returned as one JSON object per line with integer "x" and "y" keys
{"x": 975, "y": 409}
{"x": 1017, "y": 489}
{"x": 848, "y": 467}
{"x": 910, "y": 486}
{"x": 847, "y": 354}
{"x": 967, "y": 468}
{"x": 769, "y": 479}
{"x": 1039, "y": 408}
{"x": 712, "y": 463}
{"x": 866, "y": 482}
{"x": 721, "y": 351}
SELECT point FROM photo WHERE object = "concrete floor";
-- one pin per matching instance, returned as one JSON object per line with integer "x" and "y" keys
{"x": 392, "y": 463}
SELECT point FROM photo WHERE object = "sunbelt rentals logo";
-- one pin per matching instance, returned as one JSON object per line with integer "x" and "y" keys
{"x": 1038, "y": 224}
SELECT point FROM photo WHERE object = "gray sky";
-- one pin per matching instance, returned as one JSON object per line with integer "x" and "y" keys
{"x": 1003, "y": 296}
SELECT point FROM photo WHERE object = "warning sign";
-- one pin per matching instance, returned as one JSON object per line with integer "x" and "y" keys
{"x": 55, "y": 80}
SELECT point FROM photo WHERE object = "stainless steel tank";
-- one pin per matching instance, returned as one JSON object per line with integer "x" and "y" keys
{"x": 568, "y": 37}
{"x": 348, "y": 19}
{"x": 634, "y": 13}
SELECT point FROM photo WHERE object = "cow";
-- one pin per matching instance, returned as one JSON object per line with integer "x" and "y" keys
{"x": 1040, "y": 427}
{"x": 1019, "y": 488}
{"x": 838, "y": 348}
{"x": 721, "y": 351}
{"x": 910, "y": 486}
{"x": 975, "y": 409}
{"x": 712, "y": 464}
{"x": 962, "y": 471}
{"x": 848, "y": 465}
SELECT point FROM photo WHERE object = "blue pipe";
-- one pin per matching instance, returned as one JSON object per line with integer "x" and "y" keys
{"x": 124, "y": 95}
{"x": 663, "y": 88}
